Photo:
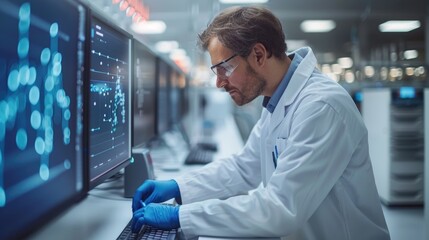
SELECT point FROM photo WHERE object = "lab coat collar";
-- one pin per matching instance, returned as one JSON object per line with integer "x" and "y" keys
{"x": 296, "y": 84}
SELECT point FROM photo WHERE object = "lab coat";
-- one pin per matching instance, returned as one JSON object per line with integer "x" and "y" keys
{"x": 322, "y": 186}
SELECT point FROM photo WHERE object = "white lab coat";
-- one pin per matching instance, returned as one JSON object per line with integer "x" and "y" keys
{"x": 323, "y": 186}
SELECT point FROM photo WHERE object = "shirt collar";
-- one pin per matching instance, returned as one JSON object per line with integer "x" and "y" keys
{"x": 270, "y": 103}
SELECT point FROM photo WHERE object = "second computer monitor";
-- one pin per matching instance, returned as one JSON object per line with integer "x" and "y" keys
{"x": 110, "y": 100}
{"x": 144, "y": 91}
{"x": 178, "y": 98}
{"x": 163, "y": 98}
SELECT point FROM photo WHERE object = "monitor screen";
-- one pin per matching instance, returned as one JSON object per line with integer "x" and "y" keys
{"x": 174, "y": 97}
{"x": 41, "y": 160}
{"x": 358, "y": 96}
{"x": 144, "y": 95}
{"x": 407, "y": 92}
{"x": 109, "y": 100}
{"x": 178, "y": 98}
{"x": 183, "y": 95}
{"x": 163, "y": 105}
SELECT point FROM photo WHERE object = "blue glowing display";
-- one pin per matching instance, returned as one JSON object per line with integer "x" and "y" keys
{"x": 110, "y": 106}
{"x": 407, "y": 92}
{"x": 40, "y": 117}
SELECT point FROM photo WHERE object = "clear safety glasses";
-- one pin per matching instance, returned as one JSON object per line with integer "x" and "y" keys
{"x": 224, "y": 69}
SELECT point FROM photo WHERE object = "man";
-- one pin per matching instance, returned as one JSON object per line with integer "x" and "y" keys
{"x": 309, "y": 149}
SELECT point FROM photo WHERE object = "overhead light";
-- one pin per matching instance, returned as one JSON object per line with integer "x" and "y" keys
{"x": 123, "y": 5}
{"x": 326, "y": 68}
{"x": 317, "y": 25}
{"x": 166, "y": 46}
{"x": 336, "y": 68}
{"x": 411, "y": 54}
{"x": 399, "y": 26}
{"x": 409, "y": 71}
{"x": 369, "y": 71}
{"x": 149, "y": 27}
{"x": 345, "y": 62}
{"x": 130, "y": 11}
{"x": 349, "y": 76}
{"x": 242, "y": 1}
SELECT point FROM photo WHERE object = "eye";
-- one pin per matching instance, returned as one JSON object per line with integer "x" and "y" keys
{"x": 220, "y": 70}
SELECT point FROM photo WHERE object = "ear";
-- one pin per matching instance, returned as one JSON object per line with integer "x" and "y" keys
{"x": 259, "y": 54}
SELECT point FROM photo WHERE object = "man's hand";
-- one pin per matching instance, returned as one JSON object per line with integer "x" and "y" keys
{"x": 157, "y": 215}
{"x": 152, "y": 191}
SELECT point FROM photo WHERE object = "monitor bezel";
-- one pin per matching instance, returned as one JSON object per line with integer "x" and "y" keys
{"x": 160, "y": 132}
{"x": 146, "y": 48}
{"x": 37, "y": 224}
{"x": 92, "y": 183}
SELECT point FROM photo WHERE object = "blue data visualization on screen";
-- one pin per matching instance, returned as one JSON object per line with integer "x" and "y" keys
{"x": 41, "y": 57}
{"x": 110, "y": 105}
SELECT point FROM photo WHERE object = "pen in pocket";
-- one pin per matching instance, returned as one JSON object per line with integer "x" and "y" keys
{"x": 274, "y": 159}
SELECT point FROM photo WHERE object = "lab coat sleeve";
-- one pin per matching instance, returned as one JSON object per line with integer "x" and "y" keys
{"x": 317, "y": 151}
{"x": 225, "y": 177}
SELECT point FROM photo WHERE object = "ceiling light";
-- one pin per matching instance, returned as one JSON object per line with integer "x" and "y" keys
{"x": 326, "y": 68}
{"x": 317, "y": 25}
{"x": 149, "y": 27}
{"x": 130, "y": 11}
{"x": 369, "y": 71}
{"x": 409, "y": 71}
{"x": 399, "y": 26}
{"x": 242, "y": 1}
{"x": 411, "y": 54}
{"x": 336, "y": 68}
{"x": 166, "y": 46}
{"x": 349, "y": 76}
{"x": 123, "y": 5}
{"x": 345, "y": 62}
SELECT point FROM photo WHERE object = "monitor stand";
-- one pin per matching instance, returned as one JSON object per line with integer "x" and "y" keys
{"x": 138, "y": 171}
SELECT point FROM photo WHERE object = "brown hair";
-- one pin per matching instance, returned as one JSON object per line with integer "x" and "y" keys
{"x": 239, "y": 28}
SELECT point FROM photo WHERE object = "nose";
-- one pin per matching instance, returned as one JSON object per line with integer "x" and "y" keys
{"x": 221, "y": 82}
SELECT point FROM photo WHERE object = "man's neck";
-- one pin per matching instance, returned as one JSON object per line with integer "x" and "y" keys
{"x": 274, "y": 74}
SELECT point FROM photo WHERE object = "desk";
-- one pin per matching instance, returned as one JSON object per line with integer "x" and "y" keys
{"x": 104, "y": 212}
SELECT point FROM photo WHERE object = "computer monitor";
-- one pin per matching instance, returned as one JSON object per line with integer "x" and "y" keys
{"x": 174, "y": 97}
{"x": 41, "y": 159}
{"x": 178, "y": 96}
{"x": 163, "y": 101}
{"x": 144, "y": 95}
{"x": 109, "y": 127}
{"x": 184, "y": 95}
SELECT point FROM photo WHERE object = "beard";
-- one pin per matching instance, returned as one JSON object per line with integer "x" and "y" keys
{"x": 255, "y": 85}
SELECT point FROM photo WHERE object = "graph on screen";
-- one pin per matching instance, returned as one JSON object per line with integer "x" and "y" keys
{"x": 110, "y": 120}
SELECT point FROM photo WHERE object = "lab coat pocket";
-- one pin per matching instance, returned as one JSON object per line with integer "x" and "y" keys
{"x": 281, "y": 145}
{"x": 279, "y": 148}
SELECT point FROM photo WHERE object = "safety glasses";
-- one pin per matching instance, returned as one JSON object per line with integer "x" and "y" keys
{"x": 224, "y": 69}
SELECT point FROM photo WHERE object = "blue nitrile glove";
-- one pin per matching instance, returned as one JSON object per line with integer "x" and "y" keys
{"x": 152, "y": 191}
{"x": 157, "y": 215}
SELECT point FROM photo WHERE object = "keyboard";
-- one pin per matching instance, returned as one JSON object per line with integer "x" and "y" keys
{"x": 199, "y": 156}
{"x": 147, "y": 232}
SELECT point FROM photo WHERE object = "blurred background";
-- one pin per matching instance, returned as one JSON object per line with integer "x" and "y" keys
{"x": 355, "y": 41}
